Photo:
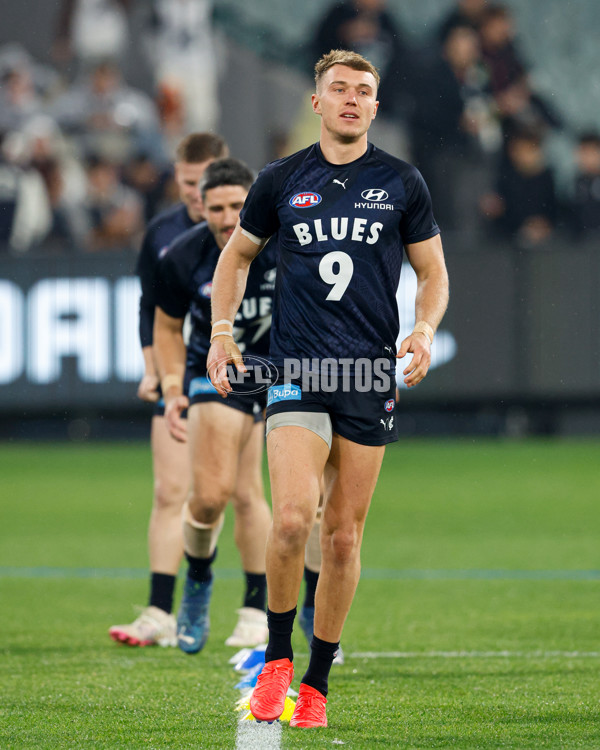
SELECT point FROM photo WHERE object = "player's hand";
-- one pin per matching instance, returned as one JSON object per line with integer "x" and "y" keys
{"x": 417, "y": 344}
{"x": 222, "y": 352}
{"x": 148, "y": 388}
{"x": 173, "y": 410}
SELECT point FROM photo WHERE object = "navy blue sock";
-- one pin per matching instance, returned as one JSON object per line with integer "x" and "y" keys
{"x": 322, "y": 654}
{"x": 162, "y": 588}
{"x": 311, "y": 586}
{"x": 281, "y": 625}
{"x": 200, "y": 567}
{"x": 256, "y": 590}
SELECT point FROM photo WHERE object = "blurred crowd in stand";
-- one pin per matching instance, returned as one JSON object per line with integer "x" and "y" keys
{"x": 85, "y": 157}
{"x": 476, "y": 127}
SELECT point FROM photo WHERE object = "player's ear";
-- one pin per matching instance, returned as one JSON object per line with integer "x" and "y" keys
{"x": 375, "y": 108}
{"x": 316, "y": 104}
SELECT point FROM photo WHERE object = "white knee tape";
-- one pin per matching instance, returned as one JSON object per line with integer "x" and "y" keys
{"x": 200, "y": 539}
{"x": 312, "y": 553}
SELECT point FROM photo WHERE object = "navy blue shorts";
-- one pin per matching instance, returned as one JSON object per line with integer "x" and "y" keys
{"x": 200, "y": 390}
{"x": 366, "y": 417}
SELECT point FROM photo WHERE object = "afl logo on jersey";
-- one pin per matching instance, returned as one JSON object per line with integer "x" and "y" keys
{"x": 206, "y": 289}
{"x": 389, "y": 405}
{"x": 305, "y": 200}
{"x": 374, "y": 194}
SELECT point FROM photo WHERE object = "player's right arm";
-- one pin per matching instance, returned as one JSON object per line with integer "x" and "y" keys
{"x": 146, "y": 271}
{"x": 173, "y": 299}
{"x": 148, "y": 387}
{"x": 170, "y": 353}
{"x": 229, "y": 284}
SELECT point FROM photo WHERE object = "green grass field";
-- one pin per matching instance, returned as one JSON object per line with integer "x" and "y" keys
{"x": 476, "y": 623}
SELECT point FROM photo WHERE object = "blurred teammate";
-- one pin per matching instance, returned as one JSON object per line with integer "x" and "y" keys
{"x": 156, "y": 624}
{"x": 225, "y": 439}
{"x": 342, "y": 211}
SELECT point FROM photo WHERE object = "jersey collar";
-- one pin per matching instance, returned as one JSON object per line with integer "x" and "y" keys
{"x": 348, "y": 165}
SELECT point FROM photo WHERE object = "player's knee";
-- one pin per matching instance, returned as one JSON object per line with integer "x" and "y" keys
{"x": 343, "y": 545}
{"x": 170, "y": 494}
{"x": 291, "y": 530}
{"x": 246, "y": 500}
{"x": 207, "y": 504}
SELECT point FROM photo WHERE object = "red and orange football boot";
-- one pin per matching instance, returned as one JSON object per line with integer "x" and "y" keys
{"x": 268, "y": 697}
{"x": 310, "y": 708}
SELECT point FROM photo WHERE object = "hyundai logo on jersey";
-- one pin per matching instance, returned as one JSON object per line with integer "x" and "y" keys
{"x": 374, "y": 194}
{"x": 389, "y": 405}
{"x": 285, "y": 392}
{"x": 305, "y": 200}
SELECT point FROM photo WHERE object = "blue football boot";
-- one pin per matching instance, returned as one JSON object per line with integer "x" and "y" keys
{"x": 193, "y": 621}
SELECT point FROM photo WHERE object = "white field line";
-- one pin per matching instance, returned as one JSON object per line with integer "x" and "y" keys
{"x": 475, "y": 655}
{"x": 252, "y": 735}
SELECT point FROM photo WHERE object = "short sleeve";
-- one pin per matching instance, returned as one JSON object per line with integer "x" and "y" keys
{"x": 172, "y": 292}
{"x": 259, "y": 214}
{"x": 418, "y": 222}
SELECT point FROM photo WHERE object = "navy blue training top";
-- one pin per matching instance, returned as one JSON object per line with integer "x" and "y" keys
{"x": 341, "y": 230}
{"x": 185, "y": 275}
{"x": 162, "y": 230}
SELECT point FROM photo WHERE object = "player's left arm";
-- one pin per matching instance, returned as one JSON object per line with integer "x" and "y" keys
{"x": 427, "y": 260}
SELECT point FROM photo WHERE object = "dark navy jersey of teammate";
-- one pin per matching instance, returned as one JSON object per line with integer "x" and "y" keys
{"x": 341, "y": 230}
{"x": 185, "y": 282}
{"x": 162, "y": 230}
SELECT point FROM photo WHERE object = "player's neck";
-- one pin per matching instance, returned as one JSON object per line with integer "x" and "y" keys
{"x": 336, "y": 152}
{"x": 194, "y": 218}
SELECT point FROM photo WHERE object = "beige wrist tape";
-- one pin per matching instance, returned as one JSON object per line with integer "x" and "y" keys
{"x": 423, "y": 327}
{"x": 221, "y": 328}
{"x": 169, "y": 381}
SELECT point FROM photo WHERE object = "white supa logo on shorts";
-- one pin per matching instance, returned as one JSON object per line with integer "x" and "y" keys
{"x": 388, "y": 424}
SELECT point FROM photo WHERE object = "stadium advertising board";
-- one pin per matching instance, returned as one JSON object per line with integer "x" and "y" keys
{"x": 68, "y": 333}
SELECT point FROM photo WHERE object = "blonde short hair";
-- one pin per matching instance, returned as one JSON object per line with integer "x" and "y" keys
{"x": 344, "y": 57}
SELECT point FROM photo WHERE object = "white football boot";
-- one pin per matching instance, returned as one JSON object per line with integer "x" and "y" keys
{"x": 153, "y": 627}
{"x": 251, "y": 629}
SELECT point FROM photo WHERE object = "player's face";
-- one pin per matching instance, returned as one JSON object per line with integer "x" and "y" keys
{"x": 222, "y": 206}
{"x": 187, "y": 177}
{"x": 346, "y": 101}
